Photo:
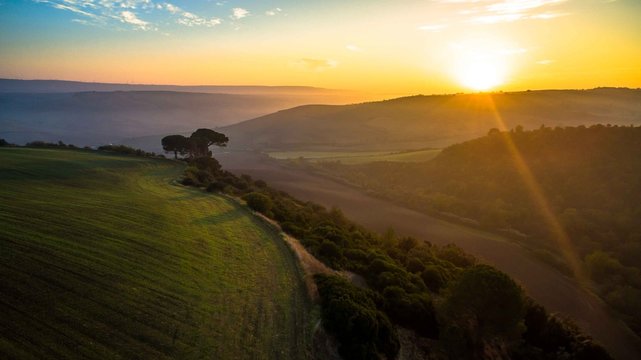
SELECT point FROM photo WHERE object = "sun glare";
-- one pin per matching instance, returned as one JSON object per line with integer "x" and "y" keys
{"x": 481, "y": 65}
{"x": 481, "y": 75}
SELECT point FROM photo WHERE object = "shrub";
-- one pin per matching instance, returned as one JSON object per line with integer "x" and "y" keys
{"x": 350, "y": 314}
{"x": 487, "y": 298}
{"x": 216, "y": 186}
{"x": 258, "y": 202}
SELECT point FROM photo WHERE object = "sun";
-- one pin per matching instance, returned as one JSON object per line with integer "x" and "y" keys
{"x": 481, "y": 64}
{"x": 481, "y": 75}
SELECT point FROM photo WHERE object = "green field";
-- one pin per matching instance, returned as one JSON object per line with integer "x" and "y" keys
{"x": 358, "y": 157}
{"x": 102, "y": 256}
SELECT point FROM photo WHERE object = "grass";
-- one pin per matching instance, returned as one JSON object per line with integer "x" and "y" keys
{"x": 102, "y": 257}
{"x": 358, "y": 157}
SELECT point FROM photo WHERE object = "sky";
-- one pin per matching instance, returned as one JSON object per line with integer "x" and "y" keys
{"x": 382, "y": 46}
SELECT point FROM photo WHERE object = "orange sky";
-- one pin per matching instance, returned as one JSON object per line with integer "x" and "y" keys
{"x": 390, "y": 47}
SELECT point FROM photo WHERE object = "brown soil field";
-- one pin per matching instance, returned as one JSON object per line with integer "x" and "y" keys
{"x": 542, "y": 282}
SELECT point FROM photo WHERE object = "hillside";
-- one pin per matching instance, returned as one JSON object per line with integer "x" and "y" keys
{"x": 586, "y": 177}
{"x": 103, "y": 257}
{"x": 455, "y": 306}
{"x": 431, "y": 121}
{"x": 94, "y": 118}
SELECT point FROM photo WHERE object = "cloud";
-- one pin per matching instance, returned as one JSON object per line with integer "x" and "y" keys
{"x": 485, "y": 12}
{"x": 239, "y": 13}
{"x": 81, "y": 21}
{"x": 545, "y": 62}
{"x": 353, "y": 48}
{"x": 119, "y": 4}
{"x": 112, "y": 12}
{"x": 131, "y": 18}
{"x": 273, "y": 12}
{"x": 70, "y": 5}
{"x": 316, "y": 65}
{"x": 513, "y": 10}
{"x": 189, "y": 19}
{"x": 171, "y": 8}
{"x": 432, "y": 28}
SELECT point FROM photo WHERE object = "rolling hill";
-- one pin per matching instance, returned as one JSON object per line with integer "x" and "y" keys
{"x": 64, "y": 86}
{"x": 102, "y": 257}
{"x": 431, "y": 121}
{"x": 94, "y": 118}
{"x": 98, "y": 113}
{"x": 586, "y": 178}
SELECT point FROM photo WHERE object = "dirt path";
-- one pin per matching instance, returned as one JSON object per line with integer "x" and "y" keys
{"x": 542, "y": 282}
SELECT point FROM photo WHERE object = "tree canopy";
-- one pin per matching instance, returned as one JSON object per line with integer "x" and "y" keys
{"x": 201, "y": 139}
{"x": 196, "y": 145}
{"x": 175, "y": 143}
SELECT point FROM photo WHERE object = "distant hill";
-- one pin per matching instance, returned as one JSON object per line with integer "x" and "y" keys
{"x": 97, "y": 113}
{"x": 432, "y": 121}
{"x": 92, "y": 118}
{"x": 589, "y": 178}
{"x": 57, "y": 86}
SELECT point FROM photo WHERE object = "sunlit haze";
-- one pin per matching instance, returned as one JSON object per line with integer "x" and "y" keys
{"x": 390, "y": 47}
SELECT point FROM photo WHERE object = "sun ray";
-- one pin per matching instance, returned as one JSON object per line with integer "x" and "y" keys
{"x": 539, "y": 198}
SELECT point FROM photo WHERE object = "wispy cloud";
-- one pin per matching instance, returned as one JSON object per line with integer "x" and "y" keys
{"x": 316, "y": 65}
{"x": 171, "y": 8}
{"x": 131, "y": 18}
{"x": 273, "y": 12}
{"x": 545, "y": 62}
{"x": 486, "y": 12}
{"x": 432, "y": 27}
{"x": 188, "y": 18}
{"x": 70, "y": 5}
{"x": 514, "y": 10}
{"x": 239, "y": 13}
{"x": 139, "y": 14}
{"x": 354, "y": 48}
{"x": 81, "y": 21}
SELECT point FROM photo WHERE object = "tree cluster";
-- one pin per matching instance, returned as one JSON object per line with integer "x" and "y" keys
{"x": 44, "y": 144}
{"x": 127, "y": 150}
{"x": 196, "y": 145}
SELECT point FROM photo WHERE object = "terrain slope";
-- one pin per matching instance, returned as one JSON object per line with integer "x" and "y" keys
{"x": 435, "y": 121}
{"x": 102, "y": 256}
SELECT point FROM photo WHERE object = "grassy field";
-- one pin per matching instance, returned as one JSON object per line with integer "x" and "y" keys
{"x": 102, "y": 257}
{"x": 358, "y": 157}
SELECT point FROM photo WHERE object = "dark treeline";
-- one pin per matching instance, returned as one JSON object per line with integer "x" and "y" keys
{"x": 590, "y": 177}
{"x": 118, "y": 149}
{"x": 126, "y": 150}
{"x": 467, "y": 310}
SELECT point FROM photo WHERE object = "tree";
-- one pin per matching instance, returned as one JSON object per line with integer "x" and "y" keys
{"x": 175, "y": 143}
{"x": 201, "y": 139}
{"x": 258, "y": 202}
{"x": 486, "y": 301}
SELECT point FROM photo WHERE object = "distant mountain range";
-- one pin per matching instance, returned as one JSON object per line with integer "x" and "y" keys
{"x": 432, "y": 121}
{"x": 139, "y": 115}
{"x": 57, "y": 86}
{"x": 96, "y": 113}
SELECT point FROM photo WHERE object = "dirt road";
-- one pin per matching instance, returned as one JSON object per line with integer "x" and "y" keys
{"x": 541, "y": 281}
